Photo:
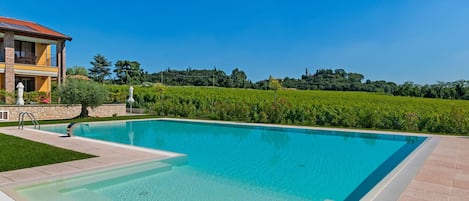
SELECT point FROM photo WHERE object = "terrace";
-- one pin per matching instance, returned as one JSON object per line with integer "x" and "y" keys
{"x": 442, "y": 175}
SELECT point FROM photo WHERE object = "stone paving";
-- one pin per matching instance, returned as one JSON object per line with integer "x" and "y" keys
{"x": 108, "y": 156}
{"x": 444, "y": 175}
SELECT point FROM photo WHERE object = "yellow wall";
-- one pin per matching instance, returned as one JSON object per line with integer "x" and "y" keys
{"x": 43, "y": 54}
{"x": 43, "y": 83}
{"x": 35, "y": 68}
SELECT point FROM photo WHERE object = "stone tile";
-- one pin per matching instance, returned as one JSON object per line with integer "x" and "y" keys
{"x": 464, "y": 159}
{"x": 437, "y": 175}
{"x": 461, "y": 181}
{"x": 425, "y": 186}
{"x": 424, "y": 194}
{"x": 84, "y": 164}
{"x": 406, "y": 197}
{"x": 462, "y": 165}
{"x": 440, "y": 163}
{"x": 4, "y": 181}
{"x": 24, "y": 174}
{"x": 56, "y": 169}
{"x": 459, "y": 195}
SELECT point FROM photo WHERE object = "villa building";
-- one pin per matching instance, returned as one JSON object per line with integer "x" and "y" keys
{"x": 32, "y": 54}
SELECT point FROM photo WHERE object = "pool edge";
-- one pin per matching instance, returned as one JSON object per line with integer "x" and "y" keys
{"x": 391, "y": 186}
{"x": 395, "y": 182}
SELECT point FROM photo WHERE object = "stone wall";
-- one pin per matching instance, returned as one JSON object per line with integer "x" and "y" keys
{"x": 58, "y": 111}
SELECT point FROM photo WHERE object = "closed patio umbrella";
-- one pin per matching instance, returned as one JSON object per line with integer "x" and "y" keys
{"x": 131, "y": 100}
{"x": 19, "y": 100}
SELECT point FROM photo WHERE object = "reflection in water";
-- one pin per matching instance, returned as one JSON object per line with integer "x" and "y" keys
{"x": 159, "y": 139}
{"x": 348, "y": 136}
{"x": 240, "y": 133}
{"x": 412, "y": 139}
{"x": 130, "y": 133}
{"x": 369, "y": 139}
{"x": 131, "y": 137}
{"x": 279, "y": 140}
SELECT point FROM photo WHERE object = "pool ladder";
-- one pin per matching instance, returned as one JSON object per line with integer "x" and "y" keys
{"x": 31, "y": 116}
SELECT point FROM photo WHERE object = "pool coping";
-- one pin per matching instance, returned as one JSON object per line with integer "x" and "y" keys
{"x": 131, "y": 155}
{"x": 394, "y": 183}
{"x": 390, "y": 188}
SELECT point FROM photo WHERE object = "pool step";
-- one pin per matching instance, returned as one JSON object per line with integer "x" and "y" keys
{"x": 81, "y": 187}
{"x": 85, "y": 194}
{"x": 117, "y": 176}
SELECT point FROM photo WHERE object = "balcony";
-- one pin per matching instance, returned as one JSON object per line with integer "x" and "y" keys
{"x": 25, "y": 60}
{"x": 33, "y": 60}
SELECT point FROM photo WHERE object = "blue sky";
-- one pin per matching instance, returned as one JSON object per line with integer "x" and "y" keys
{"x": 424, "y": 41}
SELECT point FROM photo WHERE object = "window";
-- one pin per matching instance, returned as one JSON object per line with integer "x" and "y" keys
{"x": 28, "y": 82}
{"x": 4, "y": 114}
{"x": 25, "y": 52}
{"x": 2, "y": 51}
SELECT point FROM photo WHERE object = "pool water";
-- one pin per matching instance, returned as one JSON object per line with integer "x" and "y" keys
{"x": 241, "y": 162}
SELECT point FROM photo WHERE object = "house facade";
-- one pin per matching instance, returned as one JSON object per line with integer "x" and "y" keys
{"x": 32, "y": 54}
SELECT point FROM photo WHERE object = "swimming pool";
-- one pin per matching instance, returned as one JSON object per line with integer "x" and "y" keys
{"x": 245, "y": 162}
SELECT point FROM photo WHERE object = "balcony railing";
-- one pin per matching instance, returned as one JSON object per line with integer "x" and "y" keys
{"x": 26, "y": 60}
{"x": 52, "y": 61}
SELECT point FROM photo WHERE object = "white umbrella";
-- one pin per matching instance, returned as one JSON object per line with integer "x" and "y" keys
{"x": 19, "y": 100}
{"x": 131, "y": 100}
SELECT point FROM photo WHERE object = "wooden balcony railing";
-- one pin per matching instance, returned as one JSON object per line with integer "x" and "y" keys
{"x": 32, "y": 61}
{"x": 26, "y": 60}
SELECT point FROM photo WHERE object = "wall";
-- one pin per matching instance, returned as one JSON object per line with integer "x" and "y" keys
{"x": 41, "y": 69}
{"x": 42, "y": 83}
{"x": 41, "y": 52}
{"x": 57, "y": 111}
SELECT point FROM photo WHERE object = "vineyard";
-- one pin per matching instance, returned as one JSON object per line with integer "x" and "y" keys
{"x": 308, "y": 108}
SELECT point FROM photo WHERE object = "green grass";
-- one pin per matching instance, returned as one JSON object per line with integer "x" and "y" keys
{"x": 18, "y": 153}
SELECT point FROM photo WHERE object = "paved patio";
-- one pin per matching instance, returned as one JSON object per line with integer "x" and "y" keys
{"x": 108, "y": 155}
{"x": 444, "y": 175}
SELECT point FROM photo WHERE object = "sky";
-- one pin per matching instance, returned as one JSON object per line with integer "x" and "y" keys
{"x": 423, "y": 41}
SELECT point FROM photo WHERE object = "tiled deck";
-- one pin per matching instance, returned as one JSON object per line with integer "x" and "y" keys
{"x": 109, "y": 155}
{"x": 443, "y": 177}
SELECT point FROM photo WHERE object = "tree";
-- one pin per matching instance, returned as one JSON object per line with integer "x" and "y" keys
{"x": 100, "y": 68}
{"x": 77, "y": 70}
{"x": 275, "y": 85}
{"x": 238, "y": 78}
{"x": 86, "y": 93}
{"x": 128, "y": 72}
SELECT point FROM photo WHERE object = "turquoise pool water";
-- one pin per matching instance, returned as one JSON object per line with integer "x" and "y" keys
{"x": 239, "y": 162}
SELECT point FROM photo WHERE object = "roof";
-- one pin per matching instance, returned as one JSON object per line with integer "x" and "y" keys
{"x": 30, "y": 29}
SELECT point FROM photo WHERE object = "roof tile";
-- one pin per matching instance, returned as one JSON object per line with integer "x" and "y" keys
{"x": 30, "y": 28}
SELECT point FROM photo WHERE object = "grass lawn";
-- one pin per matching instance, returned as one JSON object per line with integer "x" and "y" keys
{"x": 18, "y": 153}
